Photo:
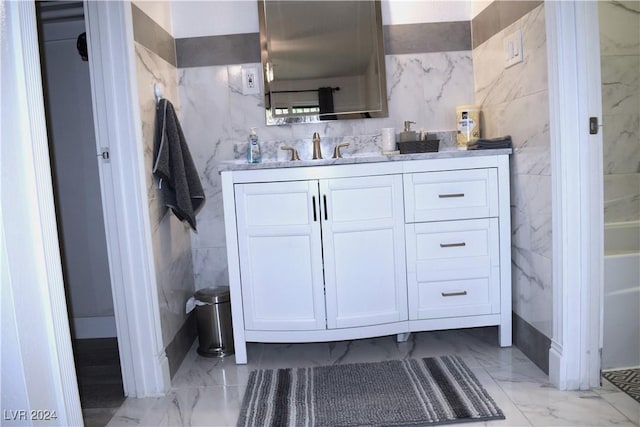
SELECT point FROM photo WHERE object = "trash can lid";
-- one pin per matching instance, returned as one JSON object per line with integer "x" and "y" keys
{"x": 213, "y": 295}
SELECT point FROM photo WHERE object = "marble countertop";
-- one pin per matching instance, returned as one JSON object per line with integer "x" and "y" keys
{"x": 232, "y": 165}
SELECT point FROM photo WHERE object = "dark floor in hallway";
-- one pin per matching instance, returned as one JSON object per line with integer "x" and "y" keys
{"x": 99, "y": 379}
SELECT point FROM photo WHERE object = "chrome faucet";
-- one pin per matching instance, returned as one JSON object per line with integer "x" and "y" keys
{"x": 317, "y": 153}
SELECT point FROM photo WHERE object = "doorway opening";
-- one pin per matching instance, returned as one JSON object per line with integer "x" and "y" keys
{"x": 79, "y": 209}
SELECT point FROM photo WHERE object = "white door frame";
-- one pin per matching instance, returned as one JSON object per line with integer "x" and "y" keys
{"x": 39, "y": 372}
{"x": 577, "y": 195}
{"x": 145, "y": 367}
{"x": 144, "y": 363}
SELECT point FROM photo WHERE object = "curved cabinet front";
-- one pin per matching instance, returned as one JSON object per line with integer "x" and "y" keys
{"x": 363, "y": 246}
{"x": 280, "y": 256}
{"x": 354, "y": 251}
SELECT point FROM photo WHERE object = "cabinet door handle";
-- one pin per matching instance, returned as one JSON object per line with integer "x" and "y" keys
{"x": 452, "y": 245}
{"x": 315, "y": 216}
{"x": 454, "y": 294}
{"x": 449, "y": 196}
{"x": 326, "y": 215}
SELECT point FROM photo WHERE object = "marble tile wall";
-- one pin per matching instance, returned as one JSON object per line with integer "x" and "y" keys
{"x": 515, "y": 102}
{"x": 171, "y": 239}
{"x": 620, "y": 68}
{"x": 423, "y": 87}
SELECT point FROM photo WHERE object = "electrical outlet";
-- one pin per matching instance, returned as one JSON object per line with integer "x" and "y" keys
{"x": 250, "y": 82}
{"x": 513, "y": 49}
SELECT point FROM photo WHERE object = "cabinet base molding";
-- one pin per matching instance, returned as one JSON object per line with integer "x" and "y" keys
{"x": 326, "y": 335}
{"x": 403, "y": 330}
{"x": 352, "y": 251}
{"x": 504, "y": 325}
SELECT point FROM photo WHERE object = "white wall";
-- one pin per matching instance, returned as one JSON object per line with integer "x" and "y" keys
{"x": 414, "y": 12}
{"x": 78, "y": 198}
{"x": 160, "y": 11}
{"x": 478, "y": 6}
{"x": 214, "y": 18}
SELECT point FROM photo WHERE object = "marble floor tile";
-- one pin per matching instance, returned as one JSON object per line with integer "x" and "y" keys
{"x": 198, "y": 371}
{"x": 139, "y": 412}
{"x": 209, "y": 391}
{"x": 204, "y": 406}
{"x": 97, "y": 417}
{"x": 620, "y": 400}
{"x": 544, "y": 405}
{"x": 513, "y": 416}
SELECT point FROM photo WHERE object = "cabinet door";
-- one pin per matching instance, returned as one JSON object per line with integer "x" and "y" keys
{"x": 453, "y": 268}
{"x": 280, "y": 255}
{"x": 363, "y": 243}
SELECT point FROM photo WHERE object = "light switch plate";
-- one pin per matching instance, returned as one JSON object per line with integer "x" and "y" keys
{"x": 513, "y": 49}
{"x": 250, "y": 81}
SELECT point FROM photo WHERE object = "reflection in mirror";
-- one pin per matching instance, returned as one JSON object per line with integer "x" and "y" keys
{"x": 322, "y": 60}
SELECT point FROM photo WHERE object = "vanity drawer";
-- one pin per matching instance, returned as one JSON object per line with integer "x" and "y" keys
{"x": 453, "y": 268}
{"x": 452, "y": 249}
{"x": 447, "y": 195}
{"x": 451, "y": 298}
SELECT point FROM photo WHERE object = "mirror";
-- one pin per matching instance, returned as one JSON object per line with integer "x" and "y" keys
{"x": 322, "y": 60}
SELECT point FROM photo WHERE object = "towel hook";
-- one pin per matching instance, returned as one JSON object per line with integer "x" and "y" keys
{"x": 157, "y": 91}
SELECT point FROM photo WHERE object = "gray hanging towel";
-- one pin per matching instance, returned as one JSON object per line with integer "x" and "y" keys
{"x": 179, "y": 182}
{"x": 325, "y": 102}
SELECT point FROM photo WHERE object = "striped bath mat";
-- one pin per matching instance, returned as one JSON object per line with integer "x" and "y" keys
{"x": 431, "y": 391}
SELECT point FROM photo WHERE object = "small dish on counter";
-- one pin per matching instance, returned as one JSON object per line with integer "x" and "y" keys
{"x": 424, "y": 146}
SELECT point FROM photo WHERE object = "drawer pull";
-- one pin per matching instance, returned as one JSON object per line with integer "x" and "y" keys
{"x": 315, "y": 218}
{"x": 454, "y": 294}
{"x": 452, "y": 245}
{"x": 449, "y": 196}
{"x": 326, "y": 214}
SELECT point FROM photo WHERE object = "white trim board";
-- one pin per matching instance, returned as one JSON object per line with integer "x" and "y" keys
{"x": 41, "y": 363}
{"x": 145, "y": 367}
{"x": 577, "y": 198}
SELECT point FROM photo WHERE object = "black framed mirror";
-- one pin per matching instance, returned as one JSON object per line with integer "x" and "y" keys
{"x": 322, "y": 60}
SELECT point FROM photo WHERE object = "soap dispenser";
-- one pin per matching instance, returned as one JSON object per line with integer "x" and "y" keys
{"x": 253, "y": 150}
{"x": 407, "y": 134}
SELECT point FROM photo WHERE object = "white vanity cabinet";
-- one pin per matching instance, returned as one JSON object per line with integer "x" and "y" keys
{"x": 321, "y": 254}
{"x": 363, "y": 247}
{"x": 458, "y": 248}
{"x": 347, "y": 251}
{"x": 453, "y": 244}
{"x": 279, "y": 247}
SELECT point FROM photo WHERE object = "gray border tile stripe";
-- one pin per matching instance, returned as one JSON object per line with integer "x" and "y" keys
{"x": 533, "y": 343}
{"x": 179, "y": 346}
{"x": 427, "y": 37}
{"x": 398, "y": 39}
{"x": 498, "y": 16}
{"x": 218, "y": 50}
{"x": 152, "y": 36}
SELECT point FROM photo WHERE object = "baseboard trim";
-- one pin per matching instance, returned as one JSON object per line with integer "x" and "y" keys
{"x": 94, "y": 327}
{"x": 181, "y": 343}
{"x": 533, "y": 343}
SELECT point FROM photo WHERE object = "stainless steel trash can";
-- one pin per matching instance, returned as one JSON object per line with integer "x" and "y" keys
{"x": 215, "y": 332}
